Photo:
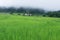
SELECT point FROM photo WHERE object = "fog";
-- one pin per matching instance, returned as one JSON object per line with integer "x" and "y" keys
{"x": 45, "y": 4}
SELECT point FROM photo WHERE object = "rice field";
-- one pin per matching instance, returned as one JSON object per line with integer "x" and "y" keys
{"x": 14, "y": 27}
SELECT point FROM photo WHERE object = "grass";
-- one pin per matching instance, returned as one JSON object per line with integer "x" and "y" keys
{"x": 14, "y": 27}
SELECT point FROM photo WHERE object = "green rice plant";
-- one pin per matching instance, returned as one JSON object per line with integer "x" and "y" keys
{"x": 14, "y": 27}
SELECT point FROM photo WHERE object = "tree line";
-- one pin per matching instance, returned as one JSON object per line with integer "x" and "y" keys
{"x": 33, "y": 11}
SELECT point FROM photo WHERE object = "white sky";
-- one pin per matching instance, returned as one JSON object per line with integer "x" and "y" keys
{"x": 46, "y": 4}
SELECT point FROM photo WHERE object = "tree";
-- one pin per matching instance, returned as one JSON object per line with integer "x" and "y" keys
{"x": 54, "y": 14}
{"x": 11, "y": 10}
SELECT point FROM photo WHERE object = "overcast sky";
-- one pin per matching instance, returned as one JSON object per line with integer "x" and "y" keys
{"x": 46, "y": 4}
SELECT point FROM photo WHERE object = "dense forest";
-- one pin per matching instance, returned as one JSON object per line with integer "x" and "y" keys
{"x": 33, "y": 11}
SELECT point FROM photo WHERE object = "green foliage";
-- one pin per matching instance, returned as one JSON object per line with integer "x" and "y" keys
{"x": 11, "y": 10}
{"x": 28, "y": 10}
{"x": 54, "y": 14}
{"x": 14, "y": 27}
